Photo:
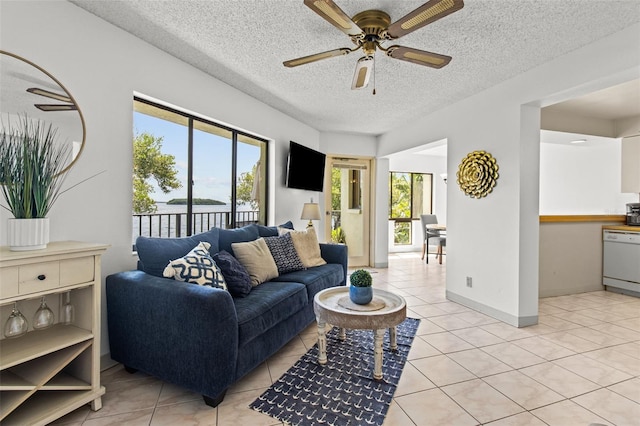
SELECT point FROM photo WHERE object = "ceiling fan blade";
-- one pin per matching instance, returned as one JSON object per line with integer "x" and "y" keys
{"x": 317, "y": 57}
{"x": 420, "y": 57}
{"x": 334, "y": 15}
{"x": 427, "y": 13}
{"x": 362, "y": 73}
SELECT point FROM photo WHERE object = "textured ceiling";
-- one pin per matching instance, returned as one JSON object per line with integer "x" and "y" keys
{"x": 244, "y": 42}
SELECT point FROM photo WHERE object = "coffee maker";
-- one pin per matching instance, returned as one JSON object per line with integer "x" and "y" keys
{"x": 633, "y": 214}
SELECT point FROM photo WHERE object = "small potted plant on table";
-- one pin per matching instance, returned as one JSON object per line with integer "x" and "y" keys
{"x": 360, "y": 291}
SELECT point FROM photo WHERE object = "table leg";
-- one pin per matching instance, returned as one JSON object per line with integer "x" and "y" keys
{"x": 377, "y": 354}
{"x": 393, "y": 341}
{"x": 343, "y": 333}
{"x": 96, "y": 404}
{"x": 322, "y": 342}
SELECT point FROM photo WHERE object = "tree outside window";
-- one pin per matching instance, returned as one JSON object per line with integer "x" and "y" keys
{"x": 410, "y": 197}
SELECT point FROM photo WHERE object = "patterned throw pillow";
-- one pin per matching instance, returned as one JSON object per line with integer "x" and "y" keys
{"x": 307, "y": 246}
{"x": 196, "y": 267}
{"x": 284, "y": 253}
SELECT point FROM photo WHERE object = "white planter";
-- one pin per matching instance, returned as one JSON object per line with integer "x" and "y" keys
{"x": 28, "y": 234}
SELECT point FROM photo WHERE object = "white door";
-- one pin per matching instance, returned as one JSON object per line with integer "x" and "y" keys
{"x": 348, "y": 206}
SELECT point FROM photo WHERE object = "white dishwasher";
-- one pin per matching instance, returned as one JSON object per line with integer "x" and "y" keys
{"x": 621, "y": 260}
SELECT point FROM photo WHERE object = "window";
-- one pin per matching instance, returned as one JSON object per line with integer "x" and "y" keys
{"x": 355, "y": 189}
{"x": 410, "y": 196}
{"x": 191, "y": 174}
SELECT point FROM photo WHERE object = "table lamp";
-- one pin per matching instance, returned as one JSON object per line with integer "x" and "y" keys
{"x": 310, "y": 211}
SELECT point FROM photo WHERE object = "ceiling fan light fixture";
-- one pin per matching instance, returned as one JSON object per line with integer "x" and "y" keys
{"x": 369, "y": 29}
{"x": 362, "y": 73}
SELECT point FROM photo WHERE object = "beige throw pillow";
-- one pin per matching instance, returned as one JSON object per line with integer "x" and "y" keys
{"x": 257, "y": 260}
{"x": 307, "y": 246}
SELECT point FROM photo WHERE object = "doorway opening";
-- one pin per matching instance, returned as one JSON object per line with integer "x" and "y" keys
{"x": 348, "y": 206}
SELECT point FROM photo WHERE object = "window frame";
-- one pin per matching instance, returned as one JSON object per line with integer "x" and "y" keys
{"x": 235, "y": 133}
{"x": 411, "y": 196}
{"x": 404, "y": 221}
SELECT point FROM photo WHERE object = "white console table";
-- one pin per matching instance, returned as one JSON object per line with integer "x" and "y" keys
{"x": 48, "y": 373}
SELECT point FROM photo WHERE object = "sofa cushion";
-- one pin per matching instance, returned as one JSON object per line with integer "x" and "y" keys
{"x": 272, "y": 231}
{"x": 256, "y": 258}
{"x": 316, "y": 278}
{"x": 156, "y": 253}
{"x": 307, "y": 246}
{"x": 267, "y": 305}
{"x": 284, "y": 253}
{"x": 235, "y": 275}
{"x": 226, "y": 237}
{"x": 196, "y": 267}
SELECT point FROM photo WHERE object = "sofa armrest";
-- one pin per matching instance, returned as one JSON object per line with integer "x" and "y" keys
{"x": 336, "y": 253}
{"x": 182, "y": 333}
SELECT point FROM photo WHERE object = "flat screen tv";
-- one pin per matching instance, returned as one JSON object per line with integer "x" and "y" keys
{"x": 305, "y": 168}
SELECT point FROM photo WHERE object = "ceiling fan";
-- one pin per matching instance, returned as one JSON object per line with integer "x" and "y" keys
{"x": 370, "y": 29}
{"x": 70, "y": 106}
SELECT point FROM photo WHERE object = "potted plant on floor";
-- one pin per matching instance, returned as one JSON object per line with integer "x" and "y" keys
{"x": 360, "y": 291}
{"x": 31, "y": 165}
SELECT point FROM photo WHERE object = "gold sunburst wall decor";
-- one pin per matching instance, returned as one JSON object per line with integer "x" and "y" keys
{"x": 477, "y": 174}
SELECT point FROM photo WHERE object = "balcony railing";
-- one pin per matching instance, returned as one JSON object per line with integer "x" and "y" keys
{"x": 170, "y": 225}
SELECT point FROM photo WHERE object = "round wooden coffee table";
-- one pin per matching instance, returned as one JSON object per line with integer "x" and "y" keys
{"x": 385, "y": 311}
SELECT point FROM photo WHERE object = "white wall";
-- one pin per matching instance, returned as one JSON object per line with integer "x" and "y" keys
{"x": 582, "y": 179}
{"x": 102, "y": 66}
{"x": 348, "y": 144}
{"x": 494, "y": 240}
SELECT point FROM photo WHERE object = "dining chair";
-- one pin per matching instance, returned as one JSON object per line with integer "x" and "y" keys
{"x": 440, "y": 240}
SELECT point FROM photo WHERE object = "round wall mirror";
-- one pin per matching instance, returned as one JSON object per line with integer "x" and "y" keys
{"x": 28, "y": 90}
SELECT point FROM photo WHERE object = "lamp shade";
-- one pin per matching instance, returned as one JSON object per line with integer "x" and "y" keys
{"x": 310, "y": 211}
{"x": 363, "y": 72}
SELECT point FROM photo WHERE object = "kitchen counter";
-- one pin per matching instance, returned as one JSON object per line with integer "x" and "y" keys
{"x": 625, "y": 228}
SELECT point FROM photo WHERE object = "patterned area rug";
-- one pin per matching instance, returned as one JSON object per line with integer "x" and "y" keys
{"x": 342, "y": 392}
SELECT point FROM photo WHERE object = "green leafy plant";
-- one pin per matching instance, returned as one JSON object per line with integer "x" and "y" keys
{"x": 31, "y": 165}
{"x": 361, "y": 278}
{"x": 338, "y": 236}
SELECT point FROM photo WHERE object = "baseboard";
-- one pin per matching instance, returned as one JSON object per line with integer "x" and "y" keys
{"x": 553, "y": 292}
{"x": 381, "y": 265}
{"x": 106, "y": 362}
{"x": 493, "y": 312}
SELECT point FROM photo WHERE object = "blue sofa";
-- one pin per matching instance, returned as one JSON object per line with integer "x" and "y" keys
{"x": 200, "y": 337}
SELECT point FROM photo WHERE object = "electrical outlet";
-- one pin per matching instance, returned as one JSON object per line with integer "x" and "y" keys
{"x": 469, "y": 282}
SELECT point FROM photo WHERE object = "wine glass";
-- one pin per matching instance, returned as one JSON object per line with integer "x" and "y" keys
{"x": 43, "y": 317}
{"x": 16, "y": 325}
{"x": 68, "y": 311}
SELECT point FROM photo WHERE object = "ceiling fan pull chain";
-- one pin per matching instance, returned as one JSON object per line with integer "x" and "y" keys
{"x": 374, "y": 73}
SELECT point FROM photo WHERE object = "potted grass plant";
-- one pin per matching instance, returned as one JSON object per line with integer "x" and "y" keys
{"x": 360, "y": 291}
{"x": 31, "y": 166}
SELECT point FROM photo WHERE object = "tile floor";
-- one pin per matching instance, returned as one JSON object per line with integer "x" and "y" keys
{"x": 579, "y": 365}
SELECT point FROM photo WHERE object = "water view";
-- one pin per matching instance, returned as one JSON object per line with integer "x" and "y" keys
{"x": 170, "y": 220}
